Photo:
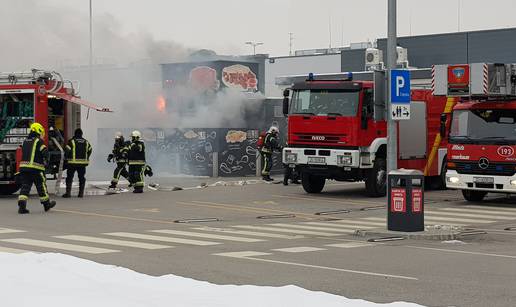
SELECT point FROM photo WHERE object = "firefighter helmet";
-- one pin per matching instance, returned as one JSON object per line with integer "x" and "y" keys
{"x": 274, "y": 129}
{"x": 136, "y": 134}
{"x": 118, "y": 135}
{"x": 38, "y": 128}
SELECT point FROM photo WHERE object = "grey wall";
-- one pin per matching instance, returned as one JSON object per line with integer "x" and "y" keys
{"x": 451, "y": 48}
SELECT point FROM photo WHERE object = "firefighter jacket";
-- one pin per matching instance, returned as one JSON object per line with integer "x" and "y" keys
{"x": 270, "y": 143}
{"x": 78, "y": 151}
{"x": 34, "y": 153}
{"x": 120, "y": 151}
{"x": 136, "y": 153}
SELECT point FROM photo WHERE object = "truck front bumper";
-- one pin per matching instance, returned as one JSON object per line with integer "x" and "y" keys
{"x": 488, "y": 183}
{"x": 346, "y": 159}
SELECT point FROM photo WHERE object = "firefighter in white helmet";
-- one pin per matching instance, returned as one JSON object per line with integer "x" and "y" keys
{"x": 270, "y": 143}
{"x": 119, "y": 155}
{"x": 136, "y": 160}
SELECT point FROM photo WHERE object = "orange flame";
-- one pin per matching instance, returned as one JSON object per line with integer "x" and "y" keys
{"x": 161, "y": 104}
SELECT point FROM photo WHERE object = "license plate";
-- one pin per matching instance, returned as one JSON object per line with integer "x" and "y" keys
{"x": 317, "y": 160}
{"x": 488, "y": 180}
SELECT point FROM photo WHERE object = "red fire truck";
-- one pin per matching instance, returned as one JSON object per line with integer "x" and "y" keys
{"x": 482, "y": 137}
{"x": 337, "y": 129}
{"x": 36, "y": 96}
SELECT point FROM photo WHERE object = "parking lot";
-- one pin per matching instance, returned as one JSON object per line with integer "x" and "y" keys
{"x": 268, "y": 234}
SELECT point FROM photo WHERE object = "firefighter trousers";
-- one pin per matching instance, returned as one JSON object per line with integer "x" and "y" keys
{"x": 120, "y": 170}
{"x": 70, "y": 173}
{"x": 136, "y": 176}
{"x": 26, "y": 179}
{"x": 266, "y": 158}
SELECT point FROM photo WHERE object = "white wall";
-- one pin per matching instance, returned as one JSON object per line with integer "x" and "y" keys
{"x": 285, "y": 66}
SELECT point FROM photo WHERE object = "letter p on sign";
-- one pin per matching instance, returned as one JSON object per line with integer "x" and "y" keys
{"x": 400, "y": 86}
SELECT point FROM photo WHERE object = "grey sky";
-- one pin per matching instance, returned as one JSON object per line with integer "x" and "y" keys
{"x": 225, "y": 25}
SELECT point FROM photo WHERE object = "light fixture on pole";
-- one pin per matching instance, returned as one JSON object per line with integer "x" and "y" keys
{"x": 254, "y": 45}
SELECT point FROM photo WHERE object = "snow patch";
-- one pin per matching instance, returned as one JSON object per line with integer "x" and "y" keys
{"x": 59, "y": 280}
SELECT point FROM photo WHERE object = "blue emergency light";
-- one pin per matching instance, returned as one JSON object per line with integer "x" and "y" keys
{"x": 311, "y": 76}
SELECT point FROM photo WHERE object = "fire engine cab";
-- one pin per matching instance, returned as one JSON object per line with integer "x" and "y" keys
{"x": 482, "y": 136}
{"x": 36, "y": 96}
{"x": 337, "y": 129}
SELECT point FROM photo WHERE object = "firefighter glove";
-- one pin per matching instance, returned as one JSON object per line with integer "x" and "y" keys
{"x": 148, "y": 171}
{"x": 110, "y": 157}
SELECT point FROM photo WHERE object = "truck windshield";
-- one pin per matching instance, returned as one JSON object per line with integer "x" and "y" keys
{"x": 324, "y": 102}
{"x": 483, "y": 126}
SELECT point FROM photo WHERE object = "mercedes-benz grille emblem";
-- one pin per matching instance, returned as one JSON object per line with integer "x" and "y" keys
{"x": 483, "y": 163}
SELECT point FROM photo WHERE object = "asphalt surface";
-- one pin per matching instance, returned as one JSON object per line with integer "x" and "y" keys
{"x": 248, "y": 232}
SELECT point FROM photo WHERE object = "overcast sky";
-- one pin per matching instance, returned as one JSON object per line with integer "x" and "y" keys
{"x": 224, "y": 25}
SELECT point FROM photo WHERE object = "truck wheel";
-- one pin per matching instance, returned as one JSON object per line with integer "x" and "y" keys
{"x": 376, "y": 180}
{"x": 470, "y": 195}
{"x": 9, "y": 189}
{"x": 312, "y": 184}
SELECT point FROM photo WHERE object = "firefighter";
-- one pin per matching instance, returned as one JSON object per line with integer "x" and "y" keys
{"x": 136, "y": 160}
{"x": 270, "y": 143}
{"x": 119, "y": 155}
{"x": 32, "y": 169}
{"x": 78, "y": 152}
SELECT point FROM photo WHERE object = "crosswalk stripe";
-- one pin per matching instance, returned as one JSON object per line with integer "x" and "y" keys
{"x": 350, "y": 245}
{"x": 485, "y": 211}
{"x": 160, "y": 238}
{"x": 113, "y": 242}
{"x": 12, "y": 250}
{"x": 332, "y": 224}
{"x": 243, "y": 254}
{"x": 303, "y": 232}
{"x": 427, "y": 221}
{"x": 459, "y": 220}
{"x": 313, "y": 228}
{"x": 300, "y": 249}
{"x": 361, "y": 222}
{"x": 61, "y": 246}
{"x": 503, "y": 209}
{"x": 8, "y": 230}
{"x": 250, "y": 233}
{"x": 207, "y": 235}
{"x": 481, "y": 216}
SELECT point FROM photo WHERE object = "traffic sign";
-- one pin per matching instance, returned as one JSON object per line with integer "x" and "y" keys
{"x": 400, "y": 86}
{"x": 400, "y": 111}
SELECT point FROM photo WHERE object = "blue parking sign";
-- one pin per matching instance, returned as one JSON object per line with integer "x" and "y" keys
{"x": 400, "y": 86}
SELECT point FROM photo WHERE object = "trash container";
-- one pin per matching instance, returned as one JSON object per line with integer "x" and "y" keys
{"x": 405, "y": 200}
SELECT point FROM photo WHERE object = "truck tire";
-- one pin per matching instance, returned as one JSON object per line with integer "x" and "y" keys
{"x": 376, "y": 180}
{"x": 9, "y": 189}
{"x": 471, "y": 195}
{"x": 312, "y": 184}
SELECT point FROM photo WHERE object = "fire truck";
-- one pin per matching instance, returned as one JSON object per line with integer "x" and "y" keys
{"x": 337, "y": 129}
{"x": 482, "y": 136}
{"x": 36, "y": 96}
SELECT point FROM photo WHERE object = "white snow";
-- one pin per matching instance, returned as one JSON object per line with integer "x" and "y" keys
{"x": 59, "y": 280}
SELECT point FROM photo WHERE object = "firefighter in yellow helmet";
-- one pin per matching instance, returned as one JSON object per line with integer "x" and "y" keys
{"x": 32, "y": 169}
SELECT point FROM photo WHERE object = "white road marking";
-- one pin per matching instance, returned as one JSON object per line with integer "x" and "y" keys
{"x": 502, "y": 209}
{"x": 485, "y": 211}
{"x": 160, "y": 238}
{"x": 300, "y": 249}
{"x": 250, "y": 233}
{"x": 361, "y": 222}
{"x": 242, "y": 254}
{"x": 303, "y": 232}
{"x": 61, "y": 246}
{"x": 247, "y": 255}
{"x": 113, "y": 242}
{"x": 429, "y": 217}
{"x": 350, "y": 244}
{"x": 332, "y": 224}
{"x": 463, "y": 252}
{"x": 207, "y": 235}
{"x": 481, "y": 216}
{"x": 9, "y": 250}
{"x": 8, "y": 230}
{"x": 313, "y": 228}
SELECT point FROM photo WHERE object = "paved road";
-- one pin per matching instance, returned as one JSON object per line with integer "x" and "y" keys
{"x": 268, "y": 234}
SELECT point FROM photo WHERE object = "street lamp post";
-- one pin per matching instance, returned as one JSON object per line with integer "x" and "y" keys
{"x": 91, "y": 51}
{"x": 392, "y": 155}
{"x": 254, "y": 45}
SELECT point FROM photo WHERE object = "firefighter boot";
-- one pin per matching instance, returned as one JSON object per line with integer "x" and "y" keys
{"x": 49, "y": 204}
{"x": 68, "y": 193}
{"x": 267, "y": 178}
{"x": 113, "y": 185}
{"x": 81, "y": 190}
{"x": 22, "y": 207}
{"x": 138, "y": 190}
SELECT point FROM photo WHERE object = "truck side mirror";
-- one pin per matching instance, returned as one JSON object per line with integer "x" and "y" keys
{"x": 286, "y": 94}
{"x": 442, "y": 131}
